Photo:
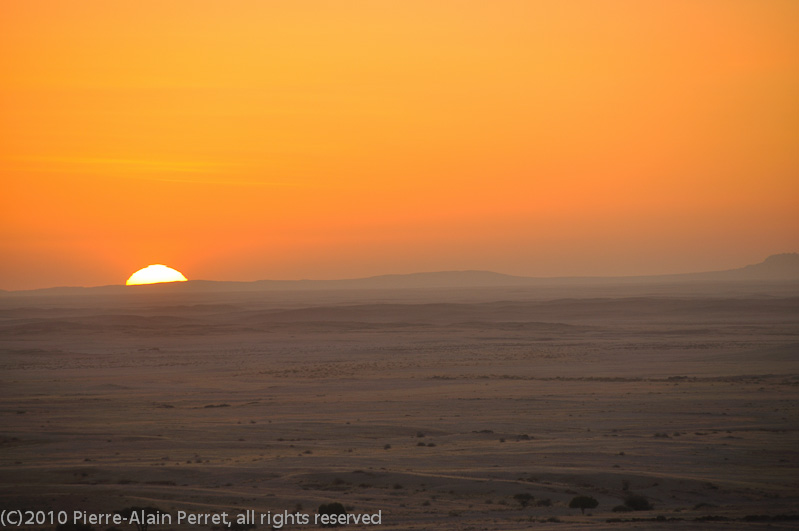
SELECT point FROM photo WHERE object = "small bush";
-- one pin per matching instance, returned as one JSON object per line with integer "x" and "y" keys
{"x": 331, "y": 508}
{"x": 621, "y": 509}
{"x": 583, "y": 503}
{"x": 637, "y": 502}
{"x": 524, "y": 498}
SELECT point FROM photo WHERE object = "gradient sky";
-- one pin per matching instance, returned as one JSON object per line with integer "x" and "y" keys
{"x": 243, "y": 140}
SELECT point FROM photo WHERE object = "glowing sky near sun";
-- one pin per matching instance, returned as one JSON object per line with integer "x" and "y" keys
{"x": 247, "y": 139}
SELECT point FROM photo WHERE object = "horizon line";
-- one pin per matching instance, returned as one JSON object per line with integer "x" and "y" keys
{"x": 450, "y": 271}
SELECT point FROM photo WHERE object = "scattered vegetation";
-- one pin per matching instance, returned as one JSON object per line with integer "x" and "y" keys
{"x": 524, "y": 498}
{"x": 331, "y": 508}
{"x": 636, "y": 502}
{"x": 583, "y": 503}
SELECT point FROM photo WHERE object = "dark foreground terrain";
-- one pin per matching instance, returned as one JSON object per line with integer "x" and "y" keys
{"x": 483, "y": 409}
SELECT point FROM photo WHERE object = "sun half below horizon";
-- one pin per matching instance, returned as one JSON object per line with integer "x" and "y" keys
{"x": 155, "y": 274}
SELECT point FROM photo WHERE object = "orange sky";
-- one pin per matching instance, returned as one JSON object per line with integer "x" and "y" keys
{"x": 241, "y": 140}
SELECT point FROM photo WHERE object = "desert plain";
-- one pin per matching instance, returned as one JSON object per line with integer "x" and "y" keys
{"x": 470, "y": 408}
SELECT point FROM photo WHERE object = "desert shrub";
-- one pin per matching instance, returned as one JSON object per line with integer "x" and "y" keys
{"x": 621, "y": 509}
{"x": 546, "y": 502}
{"x": 583, "y": 503}
{"x": 636, "y": 502}
{"x": 331, "y": 508}
{"x": 524, "y": 498}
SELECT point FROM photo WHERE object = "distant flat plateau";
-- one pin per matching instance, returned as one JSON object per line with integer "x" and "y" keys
{"x": 436, "y": 406}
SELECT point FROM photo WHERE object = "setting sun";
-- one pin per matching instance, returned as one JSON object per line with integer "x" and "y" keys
{"x": 154, "y": 274}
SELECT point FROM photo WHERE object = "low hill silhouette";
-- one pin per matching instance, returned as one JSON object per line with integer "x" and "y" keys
{"x": 778, "y": 267}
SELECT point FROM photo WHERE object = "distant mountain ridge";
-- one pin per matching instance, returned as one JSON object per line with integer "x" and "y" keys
{"x": 785, "y": 264}
{"x": 778, "y": 267}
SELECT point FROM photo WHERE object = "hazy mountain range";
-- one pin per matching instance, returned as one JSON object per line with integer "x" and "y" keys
{"x": 778, "y": 267}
